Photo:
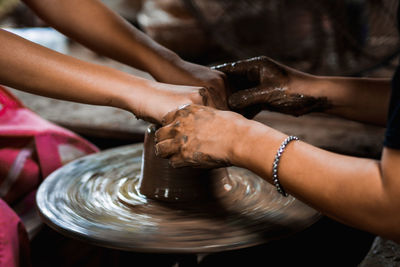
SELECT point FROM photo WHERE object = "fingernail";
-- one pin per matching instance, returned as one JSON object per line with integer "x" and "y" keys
{"x": 183, "y": 106}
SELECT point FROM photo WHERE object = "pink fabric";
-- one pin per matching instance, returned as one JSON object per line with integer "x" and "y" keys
{"x": 30, "y": 149}
{"x": 14, "y": 243}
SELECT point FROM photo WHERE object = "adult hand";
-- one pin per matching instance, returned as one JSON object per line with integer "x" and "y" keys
{"x": 198, "y": 136}
{"x": 261, "y": 83}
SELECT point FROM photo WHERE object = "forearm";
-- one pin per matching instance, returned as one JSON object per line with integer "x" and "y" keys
{"x": 33, "y": 68}
{"x": 36, "y": 69}
{"x": 263, "y": 82}
{"x": 358, "y": 192}
{"x": 359, "y": 99}
{"x": 93, "y": 24}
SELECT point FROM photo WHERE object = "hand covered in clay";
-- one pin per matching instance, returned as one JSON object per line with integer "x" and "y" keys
{"x": 198, "y": 136}
{"x": 261, "y": 83}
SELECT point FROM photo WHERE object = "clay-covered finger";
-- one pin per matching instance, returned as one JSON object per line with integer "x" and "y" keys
{"x": 241, "y": 67}
{"x": 242, "y": 74}
{"x": 205, "y": 96}
{"x": 176, "y": 161}
{"x": 169, "y": 117}
{"x": 236, "y": 68}
{"x": 166, "y": 148}
{"x": 183, "y": 110}
{"x": 251, "y": 111}
{"x": 167, "y": 132}
{"x": 248, "y": 97}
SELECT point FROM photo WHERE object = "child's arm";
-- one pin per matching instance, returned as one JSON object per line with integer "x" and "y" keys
{"x": 93, "y": 24}
{"x": 30, "y": 67}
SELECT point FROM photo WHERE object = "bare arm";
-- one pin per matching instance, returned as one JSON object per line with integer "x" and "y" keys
{"x": 360, "y": 99}
{"x": 266, "y": 84}
{"x": 359, "y": 192}
{"x": 363, "y": 193}
{"x": 93, "y": 24}
{"x": 33, "y": 68}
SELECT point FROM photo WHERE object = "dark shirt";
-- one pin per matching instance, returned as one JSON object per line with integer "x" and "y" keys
{"x": 392, "y": 137}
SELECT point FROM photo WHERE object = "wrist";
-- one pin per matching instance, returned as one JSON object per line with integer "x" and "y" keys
{"x": 131, "y": 94}
{"x": 247, "y": 133}
{"x": 304, "y": 84}
{"x": 152, "y": 100}
{"x": 238, "y": 141}
{"x": 163, "y": 64}
{"x": 256, "y": 147}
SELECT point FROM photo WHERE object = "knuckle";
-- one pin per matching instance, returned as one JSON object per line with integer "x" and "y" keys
{"x": 185, "y": 138}
{"x": 157, "y": 149}
{"x": 182, "y": 113}
{"x": 185, "y": 153}
{"x": 157, "y": 136}
{"x": 177, "y": 142}
{"x": 176, "y": 124}
{"x": 182, "y": 108}
{"x": 176, "y": 163}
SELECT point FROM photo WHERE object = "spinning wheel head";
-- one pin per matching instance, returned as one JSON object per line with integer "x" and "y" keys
{"x": 106, "y": 199}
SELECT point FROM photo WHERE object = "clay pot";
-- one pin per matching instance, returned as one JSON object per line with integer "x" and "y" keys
{"x": 160, "y": 181}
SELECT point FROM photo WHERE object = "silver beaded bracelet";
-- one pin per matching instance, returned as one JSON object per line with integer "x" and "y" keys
{"x": 275, "y": 165}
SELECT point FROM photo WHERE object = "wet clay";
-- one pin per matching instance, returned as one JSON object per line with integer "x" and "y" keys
{"x": 261, "y": 83}
{"x": 277, "y": 99}
{"x": 97, "y": 199}
{"x": 160, "y": 181}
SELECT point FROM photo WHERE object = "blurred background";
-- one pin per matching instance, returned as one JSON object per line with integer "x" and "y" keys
{"x": 325, "y": 37}
{"x": 343, "y": 37}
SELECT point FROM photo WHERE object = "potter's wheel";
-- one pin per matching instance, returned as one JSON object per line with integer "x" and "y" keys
{"x": 95, "y": 199}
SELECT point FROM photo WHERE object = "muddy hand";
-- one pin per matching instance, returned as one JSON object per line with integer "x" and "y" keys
{"x": 261, "y": 83}
{"x": 212, "y": 80}
{"x": 197, "y": 136}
